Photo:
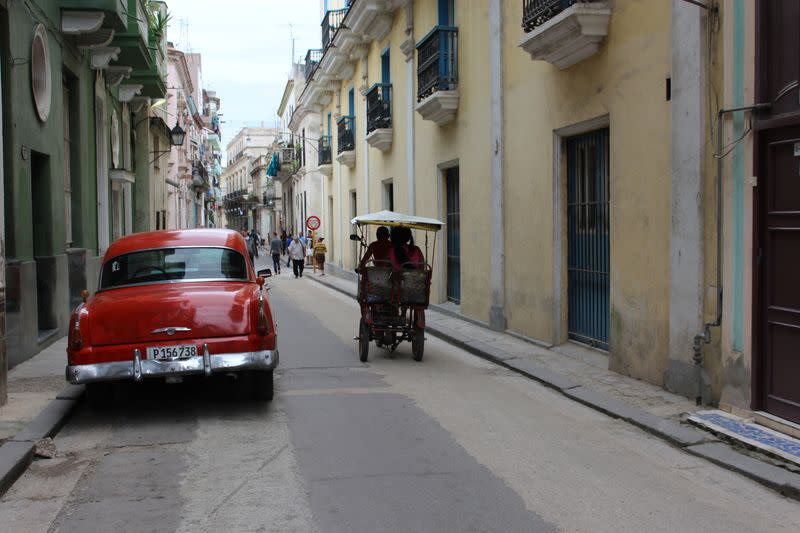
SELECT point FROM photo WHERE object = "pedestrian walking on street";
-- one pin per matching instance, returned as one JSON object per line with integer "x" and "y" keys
{"x": 297, "y": 252}
{"x": 275, "y": 247}
{"x": 288, "y": 244}
{"x": 310, "y": 250}
{"x": 249, "y": 246}
{"x": 319, "y": 254}
{"x": 255, "y": 240}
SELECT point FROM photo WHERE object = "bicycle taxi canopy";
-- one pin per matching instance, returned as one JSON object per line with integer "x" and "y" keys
{"x": 390, "y": 218}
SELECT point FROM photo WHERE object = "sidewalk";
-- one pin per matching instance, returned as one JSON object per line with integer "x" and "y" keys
{"x": 39, "y": 401}
{"x": 582, "y": 375}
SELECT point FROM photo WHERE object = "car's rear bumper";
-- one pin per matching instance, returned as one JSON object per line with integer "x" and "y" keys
{"x": 140, "y": 368}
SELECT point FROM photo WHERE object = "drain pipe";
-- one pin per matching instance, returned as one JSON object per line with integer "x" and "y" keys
{"x": 704, "y": 337}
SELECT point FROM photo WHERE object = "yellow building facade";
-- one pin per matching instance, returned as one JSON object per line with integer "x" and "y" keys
{"x": 570, "y": 148}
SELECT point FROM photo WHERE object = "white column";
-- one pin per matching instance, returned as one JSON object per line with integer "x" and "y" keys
{"x": 341, "y": 237}
{"x": 410, "y": 133}
{"x": 101, "y": 138}
{"x": 686, "y": 284}
{"x": 127, "y": 191}
{"x": 366, "y": 158}
{"x": 497, "y": 312}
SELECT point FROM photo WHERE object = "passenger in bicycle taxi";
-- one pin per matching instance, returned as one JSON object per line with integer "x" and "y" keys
{"x": 403, "y": 253}
{"x": 378, "y": 250}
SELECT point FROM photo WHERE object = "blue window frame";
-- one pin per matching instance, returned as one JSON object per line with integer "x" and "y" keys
{"x": 447, "y": 12}
{"x": 351, "y": 101}
{"x": 385, "y": 73}
{"x": 329, "y": 125}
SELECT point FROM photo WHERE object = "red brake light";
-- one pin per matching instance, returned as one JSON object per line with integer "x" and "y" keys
{"x": 262, "y": 326}
{"x": 76, "y": 340}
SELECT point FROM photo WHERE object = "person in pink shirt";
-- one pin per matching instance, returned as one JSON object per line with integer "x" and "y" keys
{"x": 404, "y": 254}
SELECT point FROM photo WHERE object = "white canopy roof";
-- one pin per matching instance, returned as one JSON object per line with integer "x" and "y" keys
{"x": 390, "y": 218}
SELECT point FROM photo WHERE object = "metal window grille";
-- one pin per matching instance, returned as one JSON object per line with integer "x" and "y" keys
{"x": 437, "y": 57}
{"x": 346, "y": 127}
{"x": 588, "y": 253}
{"x": 453, "y": 229}
{"x": 379, "y": 106}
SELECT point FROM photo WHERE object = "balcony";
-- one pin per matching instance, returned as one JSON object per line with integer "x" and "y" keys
{"x": 437, "y": 75}
{"x": 133, "y": 42}
{"x": 88, "y": 16}
{"x": 346, "y": 150}
{"x": 379, "y": 116}
{"x": 332, "y": 21}
{"x": 268, "y": 198}
{"x": 324, "y": 154}
{"x": 564, "y": 32}
{"x": 312, "y": 61}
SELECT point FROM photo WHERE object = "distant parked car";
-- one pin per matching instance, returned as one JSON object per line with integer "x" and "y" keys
{"x": 172, "y": 304}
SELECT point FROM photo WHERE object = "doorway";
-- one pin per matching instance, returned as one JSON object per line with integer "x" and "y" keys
{"x": 453, "y": 231}
{"x": 588, "y": 254}
{"x": 41, "y": 214}
{"x": 778, "y": 247}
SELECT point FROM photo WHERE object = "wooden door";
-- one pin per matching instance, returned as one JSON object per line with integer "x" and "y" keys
{"x": 778, "y": 258}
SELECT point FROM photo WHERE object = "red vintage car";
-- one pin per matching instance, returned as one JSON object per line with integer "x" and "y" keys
{"x": 172, "y": 304}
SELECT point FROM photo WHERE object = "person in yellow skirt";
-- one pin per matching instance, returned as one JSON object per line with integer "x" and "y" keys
{"x": 319, "y": 254}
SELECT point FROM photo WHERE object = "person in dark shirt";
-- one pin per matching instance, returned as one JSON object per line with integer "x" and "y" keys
{"x": 275, "y": 247}
{"x": 378, "y": 250}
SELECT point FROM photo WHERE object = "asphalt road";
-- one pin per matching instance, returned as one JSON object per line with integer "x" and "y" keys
{"x": 451, "y": 444}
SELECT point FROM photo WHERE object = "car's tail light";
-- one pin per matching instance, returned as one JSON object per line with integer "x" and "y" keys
{"x": 262, "y": 324}
{"x": 76, "y": 339}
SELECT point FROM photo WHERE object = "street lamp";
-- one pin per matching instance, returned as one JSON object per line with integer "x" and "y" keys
{"x": 177, "y": 135}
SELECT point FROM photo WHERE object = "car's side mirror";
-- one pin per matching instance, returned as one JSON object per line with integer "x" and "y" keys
{"x": 266, "y": 273}
{"x": 354, "y": 237}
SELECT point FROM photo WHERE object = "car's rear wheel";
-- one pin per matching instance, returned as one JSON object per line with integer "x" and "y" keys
{"x": 100, "y": 395}
{"x": 263, "y": 385}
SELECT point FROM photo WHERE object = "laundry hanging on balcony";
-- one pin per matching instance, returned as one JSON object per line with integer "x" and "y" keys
{"x": 274, "y": 166}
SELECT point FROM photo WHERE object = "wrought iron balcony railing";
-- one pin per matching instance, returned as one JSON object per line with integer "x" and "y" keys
{"x": 268, "y": 197}
{"x": 347, "y": 139}
{"x": 324, "y": 150}
{"x": 313, "y": 57}
{"x": 332, "y": 21}
{"x": 537, "y": 12}
{"x": 437, "y": 60}
{"x": 379, "y": 107}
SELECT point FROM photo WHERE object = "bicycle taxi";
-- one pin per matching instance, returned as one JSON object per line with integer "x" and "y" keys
{"x": 393, "y": 301}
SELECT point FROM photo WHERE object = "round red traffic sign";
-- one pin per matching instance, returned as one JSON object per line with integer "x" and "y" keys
{"x": 313, "y": 223}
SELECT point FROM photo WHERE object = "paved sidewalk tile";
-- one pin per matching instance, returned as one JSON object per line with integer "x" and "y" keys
{"x": 32, "y": 385}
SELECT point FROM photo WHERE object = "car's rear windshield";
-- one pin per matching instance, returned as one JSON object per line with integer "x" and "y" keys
{"x": 173, "y": 264}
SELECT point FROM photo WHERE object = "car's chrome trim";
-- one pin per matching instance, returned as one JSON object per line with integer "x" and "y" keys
{"x": 139, "y": 368}
{"x": 171, "y": 330}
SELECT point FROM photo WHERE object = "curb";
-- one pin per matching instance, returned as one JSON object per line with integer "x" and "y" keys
{"x": 692, "y": 441}
{"x": 16, "y": 454}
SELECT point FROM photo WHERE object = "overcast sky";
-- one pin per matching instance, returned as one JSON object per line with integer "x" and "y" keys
{"x": 247, "y": 49}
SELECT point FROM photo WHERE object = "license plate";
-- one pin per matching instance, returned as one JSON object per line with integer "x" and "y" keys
{"x": 170, "y": 353}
